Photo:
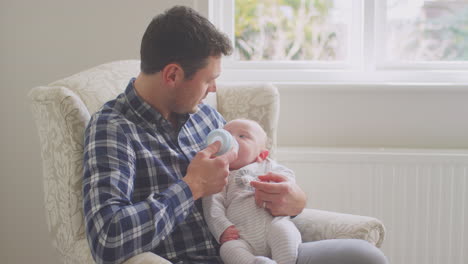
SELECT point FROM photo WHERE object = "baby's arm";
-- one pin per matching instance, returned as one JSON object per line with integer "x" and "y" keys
{"x": 214, "y": 211}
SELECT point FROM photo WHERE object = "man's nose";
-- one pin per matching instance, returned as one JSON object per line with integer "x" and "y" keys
{"x": 212, "y": 88}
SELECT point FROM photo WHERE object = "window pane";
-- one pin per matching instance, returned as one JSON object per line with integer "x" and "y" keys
{"x": 304, "y": 30}
{"x": 422, "y": 30}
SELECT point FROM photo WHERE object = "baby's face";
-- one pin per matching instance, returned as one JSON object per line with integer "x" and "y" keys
{"x": 251, "y": 139}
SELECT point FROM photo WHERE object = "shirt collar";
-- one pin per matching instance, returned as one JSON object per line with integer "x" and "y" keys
{"x": 147, "y": 112}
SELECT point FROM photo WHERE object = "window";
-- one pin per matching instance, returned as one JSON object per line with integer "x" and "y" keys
{"x": 421, "y": 30}
{"x": 292, "y": 30}
{"x": 345, "y": 40}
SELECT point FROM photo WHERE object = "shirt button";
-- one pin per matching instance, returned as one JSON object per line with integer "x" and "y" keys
{"x": 163, "y": 237}
{"x": 185, "y": 213}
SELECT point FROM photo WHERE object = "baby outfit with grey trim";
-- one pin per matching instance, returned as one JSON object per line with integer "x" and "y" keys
{"x": 261, "y": 234}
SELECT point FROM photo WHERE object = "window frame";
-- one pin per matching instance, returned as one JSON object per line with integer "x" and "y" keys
{"x": 363, "y": 65}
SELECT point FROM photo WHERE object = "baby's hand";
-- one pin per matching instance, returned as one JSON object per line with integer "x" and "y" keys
{"x": 231, "y": 233}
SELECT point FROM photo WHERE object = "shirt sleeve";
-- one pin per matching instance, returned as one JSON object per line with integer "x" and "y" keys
{"x": 214, "y": 210}
{"x": 117, "y": 228}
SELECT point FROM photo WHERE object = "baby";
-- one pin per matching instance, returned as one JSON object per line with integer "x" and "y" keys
{"x": 249, "y": 234}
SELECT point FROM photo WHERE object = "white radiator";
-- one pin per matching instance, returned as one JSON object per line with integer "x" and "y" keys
{"x": 420, "y": 195}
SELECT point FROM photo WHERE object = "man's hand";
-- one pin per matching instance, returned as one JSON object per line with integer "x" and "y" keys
{"x": 280, "y": 196}
{"x": 207, "y": 174}
{"x": 231, "y": 233}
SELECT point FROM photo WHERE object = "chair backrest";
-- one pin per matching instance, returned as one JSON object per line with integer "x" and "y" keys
{"x": 62, "y": 110}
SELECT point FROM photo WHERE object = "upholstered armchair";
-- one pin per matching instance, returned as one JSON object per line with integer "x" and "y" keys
{"x": 63, "y": 108}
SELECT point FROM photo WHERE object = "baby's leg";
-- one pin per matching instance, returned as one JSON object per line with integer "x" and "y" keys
{"x": 240, "y": 252}
{"x": 284, "y": 240}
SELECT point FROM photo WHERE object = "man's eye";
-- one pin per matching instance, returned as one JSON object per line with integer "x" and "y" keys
{"x": 242, "y": 136}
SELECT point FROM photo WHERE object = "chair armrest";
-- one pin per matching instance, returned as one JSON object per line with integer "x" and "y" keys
{"x": 317, "y": 225}
{"x": 147, "y": 258}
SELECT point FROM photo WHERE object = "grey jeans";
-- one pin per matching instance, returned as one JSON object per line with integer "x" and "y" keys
{"x": 340, "y": 251}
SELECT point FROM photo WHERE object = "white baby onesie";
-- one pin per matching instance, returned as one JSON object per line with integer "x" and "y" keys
{"x": 261, "y": 234}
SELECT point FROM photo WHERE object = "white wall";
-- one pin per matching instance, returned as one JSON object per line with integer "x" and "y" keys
{"x": 381, "y": 116}
{"x": 42, "y": 41}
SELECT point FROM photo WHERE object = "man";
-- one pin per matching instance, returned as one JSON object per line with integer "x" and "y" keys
{"x": 144, "y": 163}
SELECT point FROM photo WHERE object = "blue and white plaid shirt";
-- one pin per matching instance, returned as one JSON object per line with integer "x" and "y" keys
{"x": 134, "y": 197}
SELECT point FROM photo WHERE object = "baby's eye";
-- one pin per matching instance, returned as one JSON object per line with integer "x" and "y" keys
{"x": 242, "y": 136}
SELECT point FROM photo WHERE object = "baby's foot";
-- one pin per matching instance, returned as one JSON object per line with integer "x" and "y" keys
{"x": 263, "y": 260}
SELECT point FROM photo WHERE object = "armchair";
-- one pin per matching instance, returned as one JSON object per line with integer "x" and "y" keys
{"x": 62, "y": 110}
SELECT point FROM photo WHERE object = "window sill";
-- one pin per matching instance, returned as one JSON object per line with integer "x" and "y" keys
{"x": 342, "y": 77}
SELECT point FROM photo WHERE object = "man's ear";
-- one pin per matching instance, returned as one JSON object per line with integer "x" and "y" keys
{"x": 263, "y": 155}
{"x": 172, "y": 73}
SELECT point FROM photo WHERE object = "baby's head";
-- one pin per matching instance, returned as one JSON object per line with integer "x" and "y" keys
{"x": 252, "y": 141}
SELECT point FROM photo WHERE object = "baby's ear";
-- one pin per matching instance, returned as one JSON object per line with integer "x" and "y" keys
{"x": 263, "y": 155}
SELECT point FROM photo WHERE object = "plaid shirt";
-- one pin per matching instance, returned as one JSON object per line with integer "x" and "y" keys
{"x": 134, "y": 197}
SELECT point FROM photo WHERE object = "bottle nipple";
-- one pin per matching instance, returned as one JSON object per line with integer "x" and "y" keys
{"x": 227, "y": 141}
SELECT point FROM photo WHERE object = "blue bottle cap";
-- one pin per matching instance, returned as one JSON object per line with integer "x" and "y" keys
{"x": 227, "y": 141}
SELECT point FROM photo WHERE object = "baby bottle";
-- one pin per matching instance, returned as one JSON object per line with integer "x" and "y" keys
{"x": 227, "y": 141}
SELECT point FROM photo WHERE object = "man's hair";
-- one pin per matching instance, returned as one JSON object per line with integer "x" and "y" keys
{"x": 182, "y": 36}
